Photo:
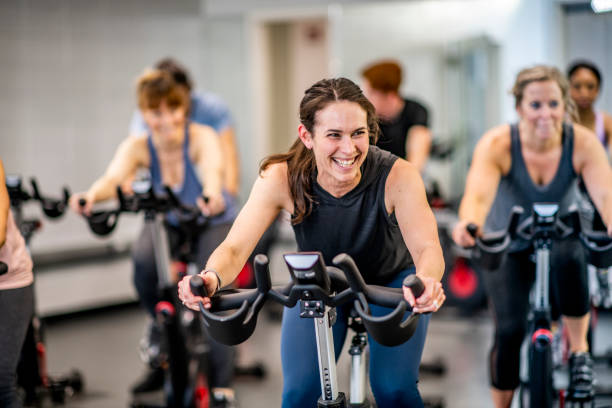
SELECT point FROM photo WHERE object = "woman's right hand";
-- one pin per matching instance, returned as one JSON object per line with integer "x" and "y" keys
{"x": 462, "y": 236}
{"x": 193, "y": 301}
{"x": 81, "y": 203}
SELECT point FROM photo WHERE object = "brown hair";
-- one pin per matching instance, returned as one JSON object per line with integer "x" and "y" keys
{"x": 300, "y": 160}
{"x": 179, "y": 73}
{"x": 156, "y": 85}
{"x": 542, "y": 73}
{"x": 385, "y": 76}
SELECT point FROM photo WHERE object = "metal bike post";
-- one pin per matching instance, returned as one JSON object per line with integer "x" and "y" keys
{"x": 358, "y": 379}
{"x": 542, "y": 278}
{"x": 327, "y": 356}
{"x": 160, "y": 247}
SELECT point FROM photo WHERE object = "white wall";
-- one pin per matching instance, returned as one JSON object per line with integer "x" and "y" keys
{"x": 416, "y": 32}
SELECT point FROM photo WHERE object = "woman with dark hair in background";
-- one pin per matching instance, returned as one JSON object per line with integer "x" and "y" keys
{"x": 585, "y": 84}
{"x": 344, "y": 195}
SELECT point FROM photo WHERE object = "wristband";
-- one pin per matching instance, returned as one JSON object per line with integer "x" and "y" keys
{"x": 217, "y": 275}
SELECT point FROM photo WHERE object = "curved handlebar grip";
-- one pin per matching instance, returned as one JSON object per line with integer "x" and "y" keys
{"x": 35, "y": 191}
{"x": 354, "y": 278}
{"x": 103, "y": 222}
{"x": 599, "y": 248}
{"x": 53, "y": 208}
{"x": 415, "y": 284}
{"x": 472, "y": 229}
{"x": 122, "y": 203}
{"x": 197, "y": 286}
{"x": 262, "y": 273}
{"x": 3, "y": 268}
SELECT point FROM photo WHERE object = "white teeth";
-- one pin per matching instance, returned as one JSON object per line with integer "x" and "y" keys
{"x": 344, "y": 163}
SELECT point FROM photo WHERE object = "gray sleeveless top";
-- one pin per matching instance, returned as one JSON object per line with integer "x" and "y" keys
{"x": 517, "y": 187}
{"x": 357, "y": 223}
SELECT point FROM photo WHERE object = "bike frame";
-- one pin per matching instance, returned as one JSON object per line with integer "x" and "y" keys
{"x": 540, "y": 339}
{"x": 169, "y": 311}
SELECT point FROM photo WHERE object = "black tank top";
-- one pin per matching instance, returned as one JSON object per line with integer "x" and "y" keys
{"x": 517, "y": 187}
{"x": 358, "y": 224}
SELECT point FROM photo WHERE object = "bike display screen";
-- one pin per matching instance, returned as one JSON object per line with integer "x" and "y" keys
{"x": 307, "y": 268}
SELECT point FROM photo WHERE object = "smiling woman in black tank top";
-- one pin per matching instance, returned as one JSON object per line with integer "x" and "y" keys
{"x": 344, "y": 195}
{"x": 534, "y": 160}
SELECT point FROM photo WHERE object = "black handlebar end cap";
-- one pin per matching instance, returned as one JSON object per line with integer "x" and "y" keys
{"x": 82, "y": 202}
{"x": 196, "y": 284}
{"x": 415, "y": 284}
{"x": 3, "y": 268}
{"x": 472, "y": 229}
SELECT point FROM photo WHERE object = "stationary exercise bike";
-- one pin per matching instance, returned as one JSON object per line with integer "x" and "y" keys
{"x": 186, "y": 359}
{"x": 542, "y": 229}
{"x": 318, "y": 289}
{"x": 32, "y": 376}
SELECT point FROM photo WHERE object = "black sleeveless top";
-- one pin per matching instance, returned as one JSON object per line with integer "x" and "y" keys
{"x": 358, "y": 224}
{"x": 517, "y": 187}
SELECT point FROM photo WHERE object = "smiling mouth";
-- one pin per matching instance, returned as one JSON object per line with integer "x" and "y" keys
{"x": 345, "y": 163}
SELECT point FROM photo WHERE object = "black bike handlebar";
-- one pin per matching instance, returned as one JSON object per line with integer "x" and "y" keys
{"x": 3, "y": 268}
{"x": 104, "y": 222}
{"x": 52, "y": 207}
{"x": 491, "y": 247}
{"x": 347, "y": 284}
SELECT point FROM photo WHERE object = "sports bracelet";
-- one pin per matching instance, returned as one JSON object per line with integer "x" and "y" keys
{"x": 217, "y": 275}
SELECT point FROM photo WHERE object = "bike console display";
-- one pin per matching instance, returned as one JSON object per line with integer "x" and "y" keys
{"x": 308, "y": 268}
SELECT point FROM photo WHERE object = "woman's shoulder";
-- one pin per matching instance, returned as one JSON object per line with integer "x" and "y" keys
{"x": 272, "y": 185}
{"x": 496, "y": 141}
{"x": 200, "y": 131}
{"x": 584, "y": 138}
{"x": 136, "y": 144}
{"x": 275, "y": 172}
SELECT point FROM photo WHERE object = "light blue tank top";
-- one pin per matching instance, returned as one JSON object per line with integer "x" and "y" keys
{"x": 191, "y": 188}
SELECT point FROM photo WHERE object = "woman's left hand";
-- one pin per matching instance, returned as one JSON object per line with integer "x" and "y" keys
{"x": 432, "y": 298}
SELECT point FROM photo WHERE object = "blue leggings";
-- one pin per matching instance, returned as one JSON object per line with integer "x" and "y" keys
{"x": 393, "y": 370}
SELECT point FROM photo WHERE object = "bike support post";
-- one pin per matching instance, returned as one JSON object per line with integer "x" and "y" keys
{"x": 358, "y": 369}
{"x": 330, "y": 397}
{"x": 160, "y": 246}
{"x": 542, "y": 277}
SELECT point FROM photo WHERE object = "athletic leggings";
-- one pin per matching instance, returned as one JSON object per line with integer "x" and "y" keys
{"x": 393, "y": 370}
{"x": 508, "y": 289}
{"x": 145, "y": 281}
{"x": 16, "y": 309}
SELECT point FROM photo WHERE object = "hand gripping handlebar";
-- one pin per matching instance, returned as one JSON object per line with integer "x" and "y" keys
{"x": 345, "y": 284}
